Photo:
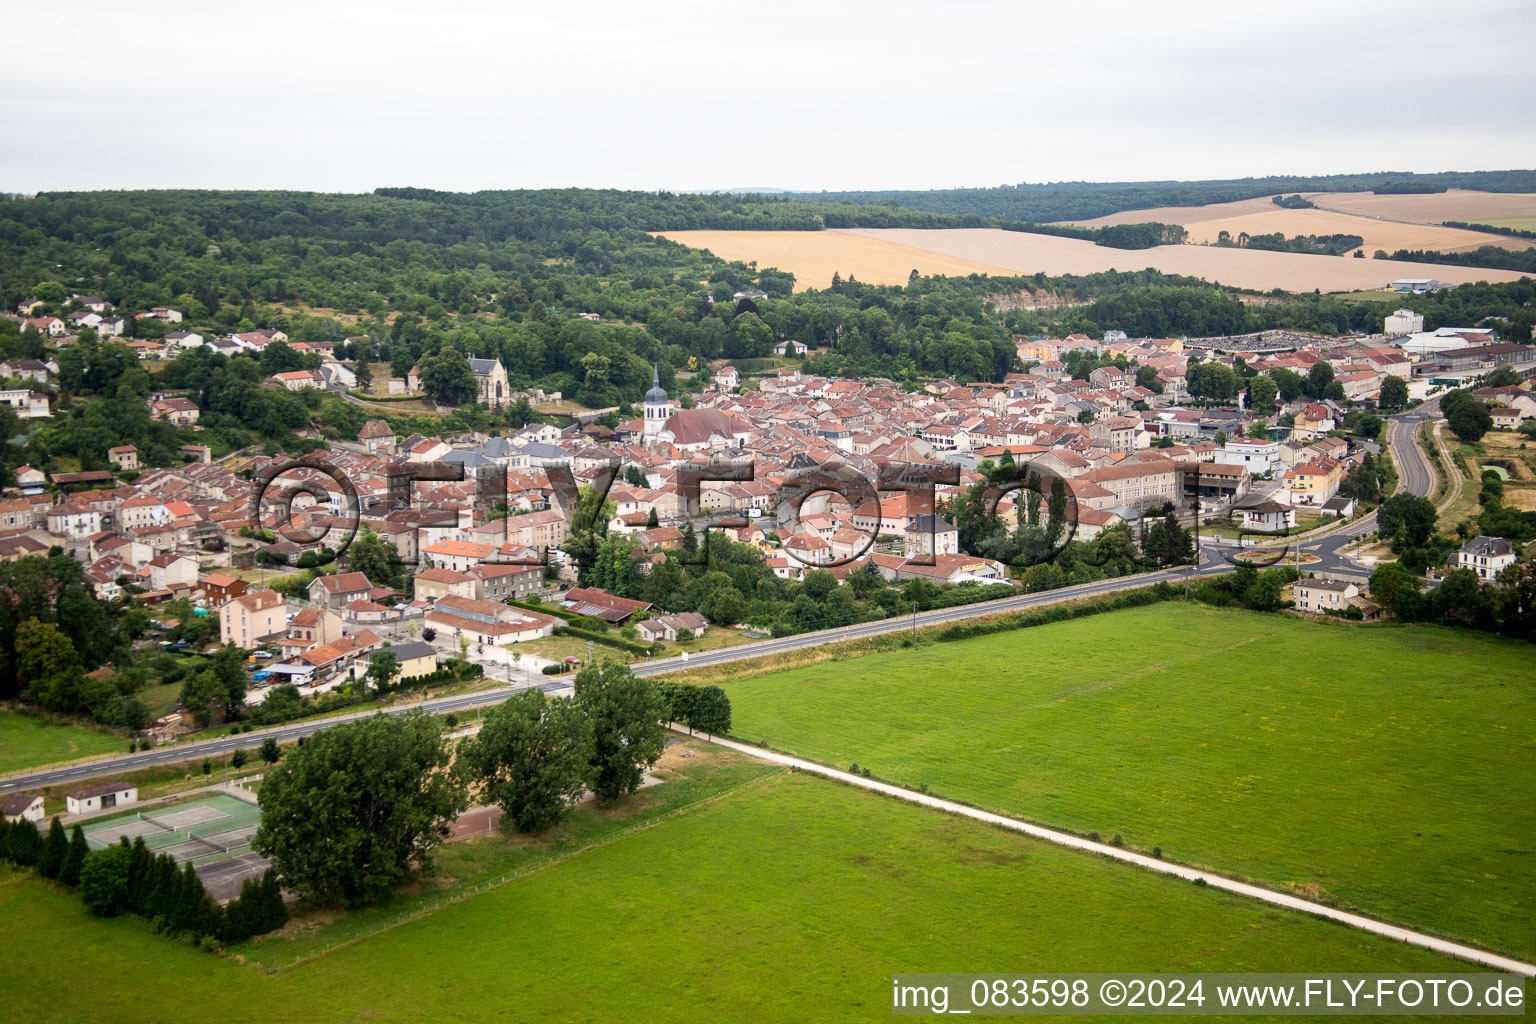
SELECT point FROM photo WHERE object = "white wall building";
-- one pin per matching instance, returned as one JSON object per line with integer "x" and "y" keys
{"x": 1252, "y": 454}
{"x": 1403, "y": 322}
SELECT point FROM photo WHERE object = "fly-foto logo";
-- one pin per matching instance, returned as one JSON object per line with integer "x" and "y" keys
{"x": 316, "y": 506}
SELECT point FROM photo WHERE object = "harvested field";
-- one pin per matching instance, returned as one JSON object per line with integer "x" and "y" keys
{"x": 1021, "y": 253}
{"x": 1262, "y": 217}
{"x": 1472, "y": 207}
{"x": 814, "y": 256}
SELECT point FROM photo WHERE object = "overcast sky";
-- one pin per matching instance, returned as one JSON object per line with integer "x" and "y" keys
{"x": 465, "y": 95}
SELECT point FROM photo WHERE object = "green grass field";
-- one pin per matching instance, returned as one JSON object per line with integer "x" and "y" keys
{"x": 793, "y": 899}
{"x": 1383, "y": 768}
{"x": 1518, "y": 223}
{"x": 27, "y": 742}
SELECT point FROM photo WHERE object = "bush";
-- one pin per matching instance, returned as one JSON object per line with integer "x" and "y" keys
{"x": 553, "y": 670}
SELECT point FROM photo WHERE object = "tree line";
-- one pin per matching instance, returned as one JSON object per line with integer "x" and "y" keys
{"x": 1084, "y": 200}
{"x": 356, "y": 810}
{"x": 131, "y": 879}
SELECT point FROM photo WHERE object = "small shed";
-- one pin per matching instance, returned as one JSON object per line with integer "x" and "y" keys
{"x": 100, "y": 797}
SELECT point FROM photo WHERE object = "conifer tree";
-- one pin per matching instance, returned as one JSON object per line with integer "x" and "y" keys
{"x": 69, "y": 870}
{"x": 50, "y": 860}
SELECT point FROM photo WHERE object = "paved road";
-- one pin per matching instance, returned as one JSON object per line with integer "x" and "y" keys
{"x": 1414, "y": 473}
{"x": 217, "y": 748}
{"x": 1279, "y": 899}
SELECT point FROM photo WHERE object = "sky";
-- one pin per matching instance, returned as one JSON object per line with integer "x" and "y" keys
{"x": 464, "y": 95}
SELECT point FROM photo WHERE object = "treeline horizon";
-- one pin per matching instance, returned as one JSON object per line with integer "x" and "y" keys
{"x": 1046, "y": 202}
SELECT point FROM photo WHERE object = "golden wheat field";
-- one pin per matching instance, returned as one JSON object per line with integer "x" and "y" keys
{"x": 814, "y": 256}
{"x": 1434, "y": 208}
{"x": 1261, "y": 216}
{"x": 888, "y": 256}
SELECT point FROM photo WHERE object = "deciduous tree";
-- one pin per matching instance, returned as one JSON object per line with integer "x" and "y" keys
{"x": 355, "y": 809}
{"x": 532, "y": 757}
{"x": 627, "y": 734}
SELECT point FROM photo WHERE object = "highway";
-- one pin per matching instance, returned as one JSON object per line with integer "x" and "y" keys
{"x": 1414, "y": 475}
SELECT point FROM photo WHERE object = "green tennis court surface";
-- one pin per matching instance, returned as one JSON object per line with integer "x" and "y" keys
{"x": 204, "y": 830}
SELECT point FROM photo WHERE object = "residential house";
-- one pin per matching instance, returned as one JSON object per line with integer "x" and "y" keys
{"x": 339, "y": 590}
{"x": 29, "y": 405}
{"x": 510, "y": 581}
{"x": 16, "y": 807}
{"x": 253, "y": 618}
{"x": 1486, "y": 556}
{"x": 181, "y": 412}
{"x": 434, "y": 583}
{"x": 1318, "y": 596}
{"x": 412, "y": 660}
{"x": 456, "y": 555}
{"x": 1311, "y": 483}
{"x": 929, "y": 535}
{"x": 1269, "y": 517}
{"x": 668, "y": 626}
{"x": 219, "y": 589}
{"x": 298, "y": 380}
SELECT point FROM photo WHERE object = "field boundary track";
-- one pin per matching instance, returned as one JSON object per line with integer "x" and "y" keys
{"x": 1188, "y": 874}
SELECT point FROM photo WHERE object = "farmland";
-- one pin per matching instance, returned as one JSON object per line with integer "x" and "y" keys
{"x": 889, "y": 255}
{"x": 1373, "y": 768}
{"x": 1497, "y": 208}
{"x": 814, "y": 256}
{"x": 1261, "y": 216}
{"x": 1023, "y": 253}
{"x": 829, "y": 888}
{"x": 27, "y": 742}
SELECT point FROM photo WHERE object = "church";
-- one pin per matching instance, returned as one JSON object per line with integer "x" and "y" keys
{"x": 491, "y": 377}
{"x": 689, "y": 430}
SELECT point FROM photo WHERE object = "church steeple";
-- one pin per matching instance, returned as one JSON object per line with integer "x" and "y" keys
{"x": 657, "y": 406}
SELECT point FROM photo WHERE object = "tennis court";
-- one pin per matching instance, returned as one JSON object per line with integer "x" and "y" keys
{"x": 210, "y": 829}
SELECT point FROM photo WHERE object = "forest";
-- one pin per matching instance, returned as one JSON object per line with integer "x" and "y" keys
{"x": 408, "y": 277}
{"x": 1083, "y": 200}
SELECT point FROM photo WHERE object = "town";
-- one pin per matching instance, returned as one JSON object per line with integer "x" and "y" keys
{"x": 447, "y": 555}
{"x": 488, "y": 540}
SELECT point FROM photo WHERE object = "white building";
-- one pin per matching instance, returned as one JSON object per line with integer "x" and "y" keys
{"x": 29, "y": 405}
{"x": 1269, "y": 517}
{"x": 657, "y": 408}
{"x": 1402, "y": 322}
{"x": 1254, "y": 455}
{"x": 1486, "y": 556}
{"x": 21, "y": 807}
{"x": 100, "y": 797}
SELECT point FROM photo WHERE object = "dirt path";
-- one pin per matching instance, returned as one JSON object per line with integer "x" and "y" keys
{"x": 1278, "y": 899}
